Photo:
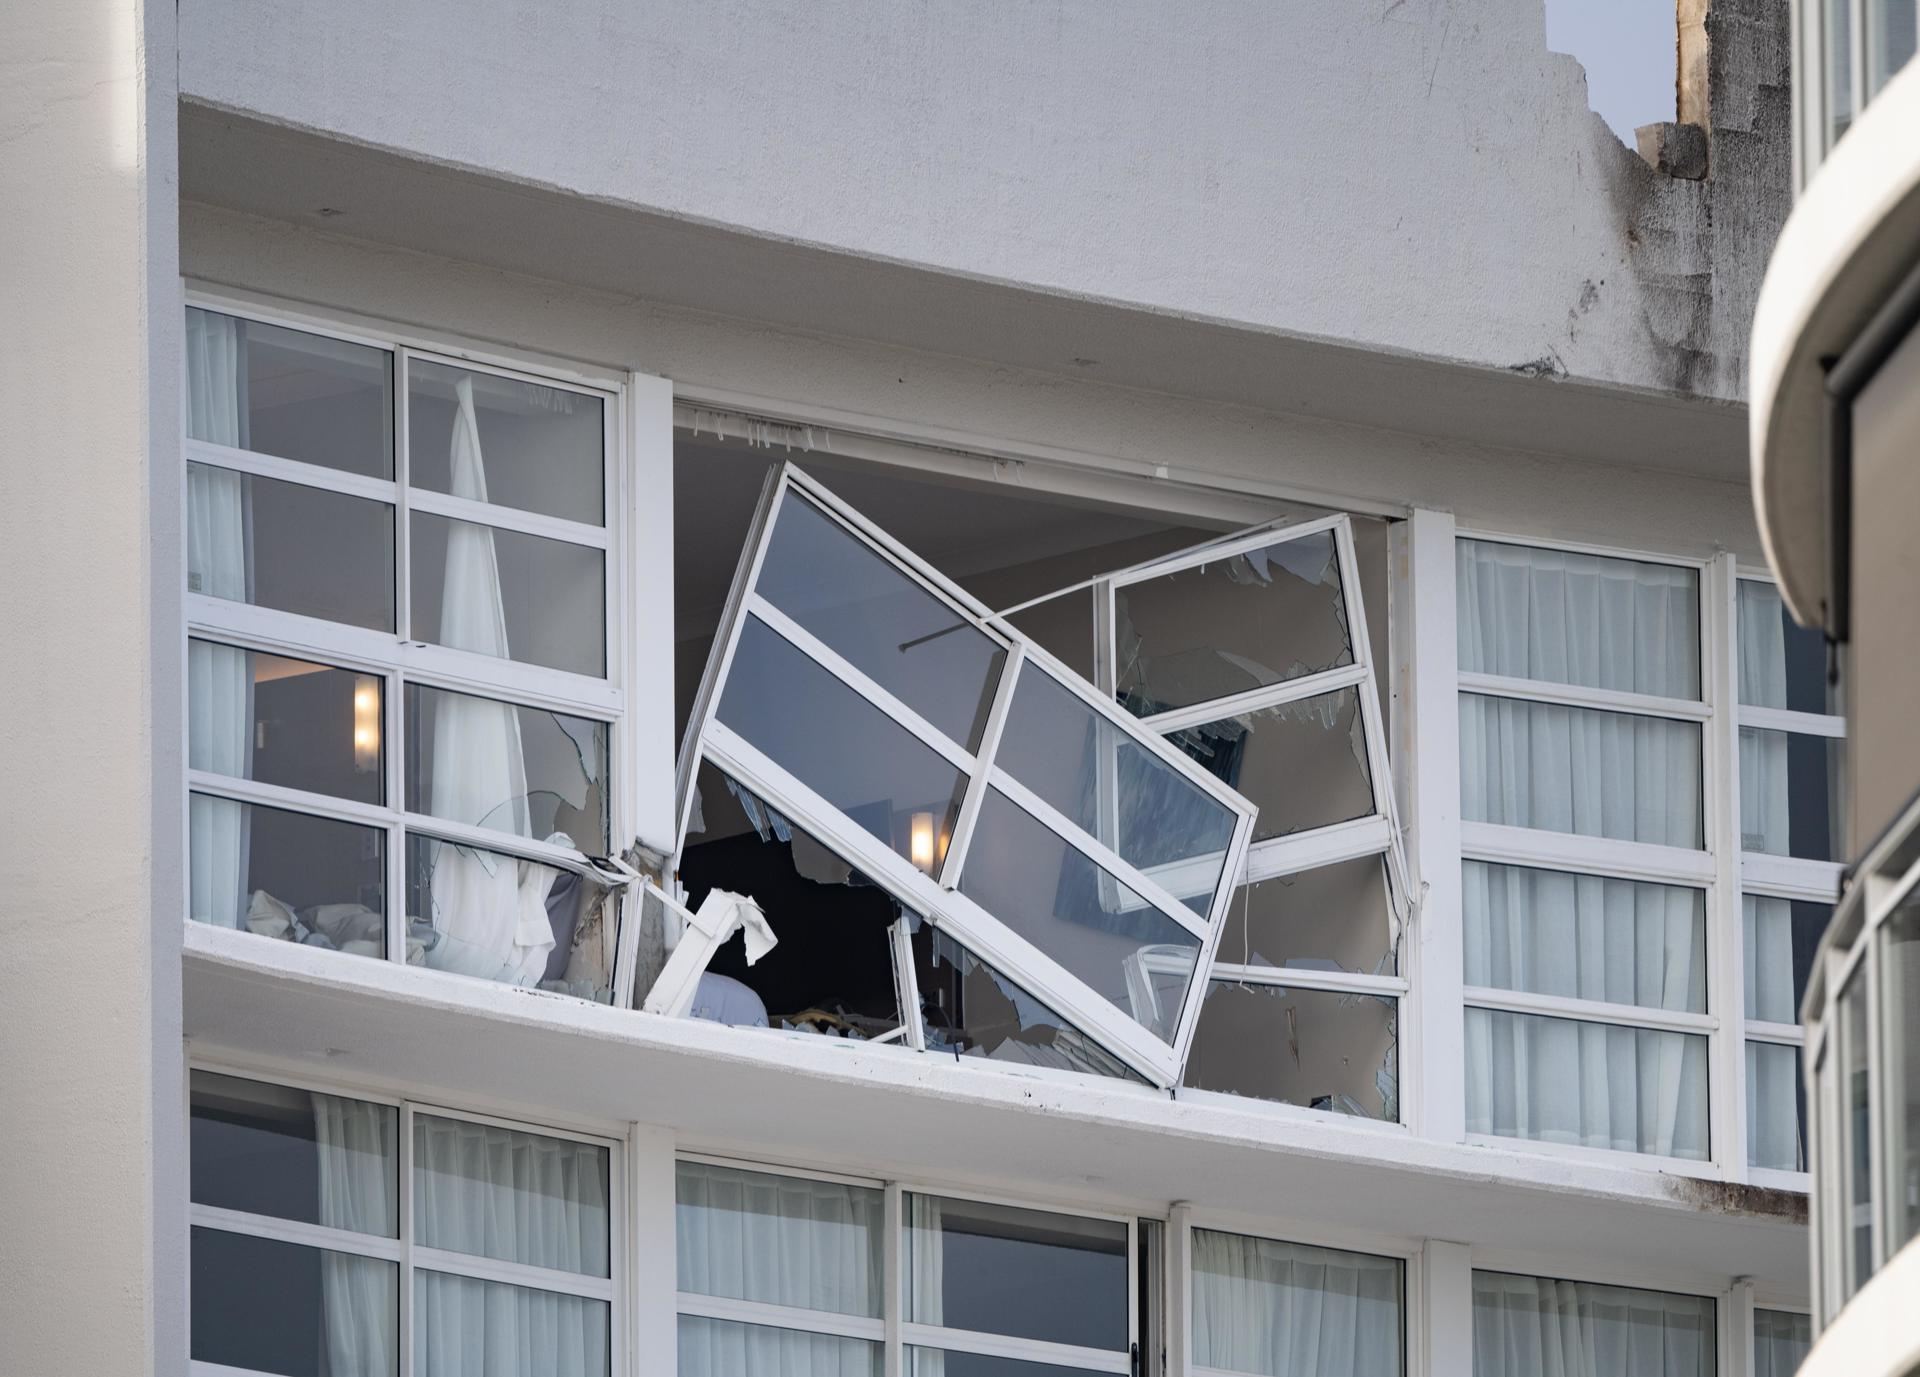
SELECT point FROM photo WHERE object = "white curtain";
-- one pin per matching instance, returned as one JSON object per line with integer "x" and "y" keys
{"x": 781, "y": 1240}
{"x": 1762, "y": 648}
{"x": 491, "y": 912}
{"x": 1606, "y": 623}
{"x": 518, "y": 1197}
{"x": 1285, "y": 1310}
{"x": 219, "y": 686}
{"x": 1538, "y": 1327}
{"x": 1781, "y": 1342}
{"x": 357, "y": 1152}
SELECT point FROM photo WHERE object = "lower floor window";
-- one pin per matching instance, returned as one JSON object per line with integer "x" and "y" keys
{"x": 1289, "y": 1310}
{"x": 317, "y": 1218}
{"x": 1523, "y": 1326}
{"x": 1781, "y": 1340}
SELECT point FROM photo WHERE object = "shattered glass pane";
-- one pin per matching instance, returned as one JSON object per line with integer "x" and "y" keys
{"x": 1088, "y": 769}
{"x": 1124, "y": 948}
{"x": 885, "y": 623}
{"x": 1266, "y": 755}
{"x": 1324, "y": 1049}
{"x": 1245, "y": 622}
{"x": 969, "y": 1009}
{"x": 832, "y": 969}
{"x": 1335, "y": 918}
{"x": 842, "y": 747}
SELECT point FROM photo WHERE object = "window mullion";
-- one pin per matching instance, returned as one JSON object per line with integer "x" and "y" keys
{"x": 405, "y": 1162}
{"x": 1727, "y": 1089}
{"x": 893, "y": 1279}
{"x": 402, "y": 521}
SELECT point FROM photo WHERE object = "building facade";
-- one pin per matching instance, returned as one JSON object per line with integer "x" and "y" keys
{"x": 1834, "y": 435}
{"x": 937, "y": 690}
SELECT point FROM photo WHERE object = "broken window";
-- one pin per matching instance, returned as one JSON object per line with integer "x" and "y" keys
{"x": 1010, "y": 823}
{"x": 1253, "y": 656}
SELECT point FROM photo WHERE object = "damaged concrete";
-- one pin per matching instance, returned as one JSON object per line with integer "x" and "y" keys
{"x": 1735, "y": 1198}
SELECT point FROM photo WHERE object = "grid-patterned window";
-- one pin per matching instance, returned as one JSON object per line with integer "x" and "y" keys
{"x": 403, "y": 700}
{"x": 1524, "y": 1326}
{"x": 330, "y": 1232}
{"x": 1585, "y": 864}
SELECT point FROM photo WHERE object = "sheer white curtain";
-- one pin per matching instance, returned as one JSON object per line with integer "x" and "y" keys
{"x": 780, "y": 1240}
{"x": 219, "y": 687}
{"x": 490, "y": 911}
{"x": 1286, "y": 1310}
{"x": 357, "y": 1152}
{"x": 519, "y": 1197}
{"x": 1763, "y": 684}
{"x": 1539, "y": 1327}
{"x": 1781, "y": 1341}
{"x": 1607, "y": 623}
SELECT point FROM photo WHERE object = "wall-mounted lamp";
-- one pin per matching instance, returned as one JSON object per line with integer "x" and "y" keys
{"x": 920, "y": 841}
{"x": 366, "y": 724}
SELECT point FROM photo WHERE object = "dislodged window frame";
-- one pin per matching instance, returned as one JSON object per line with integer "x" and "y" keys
{"x": 938, "y": 899}
{"x": 397, "y": 659}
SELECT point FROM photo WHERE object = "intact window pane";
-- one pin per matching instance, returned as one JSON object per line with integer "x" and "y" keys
{"x": 1335, "y": 918}
{"x": 842, "y": 747}
{"x": 529, "y": 771}
{"x": 286, "y": 722}
{"x": 1900, "y": 1072}
{"x": 289, "y": 547}
{"x": 1026, "y": 1274}
{"x": 935, "y": 1362}
{"x": 1890, "y": 40}
{"x": 1856, "y": 1137}
{"x": 1321, "y": 1049}
{"x": 1525, "y": 1326}
{"x": 885, "y": 623}
{"x": 284, "y": 392}
{"x": 1028, "y": 877}
{"x": 1776, "y": 1107}
{"x": 1240, "y": 623}
{"x": 1585, "y": 937}
{"x": 1265, "y": 755}
{"x": 1790, "y": 794}
{"x": 507, "y": 1194}
{"x": 1782, "y": 663}
{"x": 1781, "y": 938}
{"x": 483, "y": 913}
{"x": 267, "y": 1306}
{"x": 1781, "y": 1341}
{"x": 715, "y": 1348}
{"x": 508, "y": 594}
{"x": 1289, "y": 1310}
{"x": 1569, "y": 618}
{"x": 782, "y": 1240}
{"x": 462, "y": 1325}
{"x": 1600, "y": 1085}
{"x": 294, "y": 1154}
{"x": 969, "y": 1009}
{"x": 1088, "y": 770}
{"x": 518, "y": 444}
{"x": 287, "y": 875}
{"x": 1578, "y": 770}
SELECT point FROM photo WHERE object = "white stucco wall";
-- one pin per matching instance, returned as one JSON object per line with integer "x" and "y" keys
{"x": 92, "y": 1232}
{"x": 1409, "y": 175}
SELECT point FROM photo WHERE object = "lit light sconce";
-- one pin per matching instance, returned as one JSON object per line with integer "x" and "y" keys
{"x": 366, "y": 724}
{"x": 920, "y": 841}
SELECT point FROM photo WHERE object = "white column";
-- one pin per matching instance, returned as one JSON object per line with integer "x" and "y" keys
{"x": 93, "y": 1209}
{"x": 1726, "y": 932}
{"x": 1178, "y": 1299}
{"x": 1442, "y": 1327}
{"x": 649, "y": 624}
{"x": 652, "y": 1318}
{"x": 1427, "y": 736}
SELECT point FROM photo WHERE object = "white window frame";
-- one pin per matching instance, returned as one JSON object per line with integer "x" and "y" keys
{"x": 1776, "y": 877}
{"x": 402, "y": 1249}
{"x": 1377, "y": 834}
{"x": 398, "y": 660}
{"x": 937, "y": 899}
{"x": 892, "y": 1330}
{"x": 1539, "y": 849}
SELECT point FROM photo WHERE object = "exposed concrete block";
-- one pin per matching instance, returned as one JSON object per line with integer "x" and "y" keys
{"x": 1678, "y": 150}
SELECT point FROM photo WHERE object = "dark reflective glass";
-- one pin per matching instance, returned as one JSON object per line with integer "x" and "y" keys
{"x": 1334, "y": 918}
{"x": 1089, "y": 770}
{"x": 842, "y": 747}
{"x": 1028, "y": 877}
{"x": 267, "y": 1306}
{"x": 508, "y": 594}
{"x": 885, "y": 623}
{"x": 289, "y": 547}
{"x": 1230, "y": 625}
{"x": 1266, "y": 754}
{"x": 934, "y": 1362}
{"x": 1782, "y": 663}
{"x": 282, "y": 721}
{"x": 1790, "y": 794}
{"x": 534, "y": 447}
{"x": 1027, "y": 1274}
{"x": 1321, "y": 1049}
{"x": 294, "y": 1154}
